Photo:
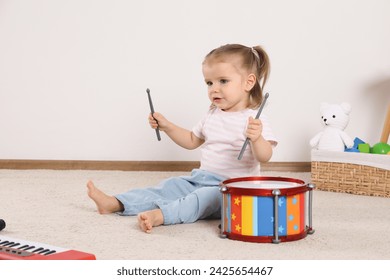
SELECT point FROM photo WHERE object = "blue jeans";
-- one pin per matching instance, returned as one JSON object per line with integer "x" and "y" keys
{"x": 183, "y": 199}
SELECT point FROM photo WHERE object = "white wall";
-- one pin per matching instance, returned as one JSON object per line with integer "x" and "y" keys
{"x": 73, "y": 73}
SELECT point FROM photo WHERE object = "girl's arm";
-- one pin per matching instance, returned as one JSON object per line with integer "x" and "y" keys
{"x": 261, "y": 148}
{"x": 180, "y": 136}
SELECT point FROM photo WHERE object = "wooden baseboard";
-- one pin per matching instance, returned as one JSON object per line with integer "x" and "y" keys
{"x": 296, "y": 166}
{"x": 136, "y": 165}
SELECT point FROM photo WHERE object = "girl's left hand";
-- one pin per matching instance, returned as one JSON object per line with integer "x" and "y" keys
{"x": 254, "y": 129}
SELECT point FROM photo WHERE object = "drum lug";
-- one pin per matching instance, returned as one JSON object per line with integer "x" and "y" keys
{"x": 223, "y": 188}
{"x": 222, "y": 235}
{"x": 276, "y": 192}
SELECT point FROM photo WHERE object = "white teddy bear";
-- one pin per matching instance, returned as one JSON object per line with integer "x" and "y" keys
{"x": 335, "y": 118}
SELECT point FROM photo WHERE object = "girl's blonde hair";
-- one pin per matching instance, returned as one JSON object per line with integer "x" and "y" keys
{"x": 254, "y": 60}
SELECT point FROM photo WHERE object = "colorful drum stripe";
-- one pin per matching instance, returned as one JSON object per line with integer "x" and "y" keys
{"x": 254, "y": 215}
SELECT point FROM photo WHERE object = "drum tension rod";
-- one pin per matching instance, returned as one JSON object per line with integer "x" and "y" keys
{"x": 222, "y": 189}
{"x": 276, "y": 194}
{"x": 311, "y": 230}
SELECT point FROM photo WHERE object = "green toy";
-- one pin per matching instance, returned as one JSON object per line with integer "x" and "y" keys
{"x": 380, "y": 148}
{"x": 364, "y": 148}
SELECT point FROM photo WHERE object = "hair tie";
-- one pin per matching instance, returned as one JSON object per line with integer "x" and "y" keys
{"x": 255, "y": 53}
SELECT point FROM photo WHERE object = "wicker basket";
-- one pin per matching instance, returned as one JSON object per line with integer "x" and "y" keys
{"x": 355, "y": 173}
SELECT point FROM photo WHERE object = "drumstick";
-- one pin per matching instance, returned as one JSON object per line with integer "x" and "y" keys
{"x": 257, "y": 116}
{"x": 152, "y": 112}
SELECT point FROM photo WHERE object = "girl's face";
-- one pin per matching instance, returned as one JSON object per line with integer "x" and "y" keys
{"x": 228, "y": 88}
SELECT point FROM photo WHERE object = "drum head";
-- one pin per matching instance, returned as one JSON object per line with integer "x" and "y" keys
{"x": 263, "y": 185}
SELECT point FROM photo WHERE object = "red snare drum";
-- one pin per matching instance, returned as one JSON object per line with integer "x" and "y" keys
{"x": 266, "y": 209}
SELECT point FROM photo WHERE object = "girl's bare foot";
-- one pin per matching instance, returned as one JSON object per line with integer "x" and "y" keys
{"x": 105, "y": 204}
{"x": 149, "y": 219}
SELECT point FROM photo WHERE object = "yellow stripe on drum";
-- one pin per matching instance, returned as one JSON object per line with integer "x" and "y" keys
{"x": 247, "y": 215}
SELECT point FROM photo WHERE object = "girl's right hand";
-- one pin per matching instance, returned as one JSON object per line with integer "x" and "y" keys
{"x": 158, "y": 121}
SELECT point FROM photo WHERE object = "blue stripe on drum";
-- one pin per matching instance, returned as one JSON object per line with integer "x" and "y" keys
{"x": 265, "y": 216}
{"x": 282, "y": 204}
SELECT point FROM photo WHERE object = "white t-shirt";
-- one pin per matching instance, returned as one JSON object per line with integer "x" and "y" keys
{"x": 224, "y": 135}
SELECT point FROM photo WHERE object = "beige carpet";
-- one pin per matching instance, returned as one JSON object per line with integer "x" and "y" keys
{"x": 52, "y": 207}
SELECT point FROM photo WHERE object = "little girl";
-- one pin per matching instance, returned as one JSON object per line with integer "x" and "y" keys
{"x": 235, "y": 76}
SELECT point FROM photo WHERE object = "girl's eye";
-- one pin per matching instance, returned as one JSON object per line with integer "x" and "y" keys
{"x": 209, "y": 84}
{"x": 223, "y": 81}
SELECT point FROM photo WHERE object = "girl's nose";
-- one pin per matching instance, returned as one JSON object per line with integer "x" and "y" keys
{"x": 214, "y": 88}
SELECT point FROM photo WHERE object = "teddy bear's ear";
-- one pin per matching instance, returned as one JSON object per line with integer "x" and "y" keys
{"x": 346, "y": 107}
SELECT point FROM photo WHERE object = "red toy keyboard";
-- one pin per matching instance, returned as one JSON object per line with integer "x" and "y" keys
{"x": 17, "y": 249}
